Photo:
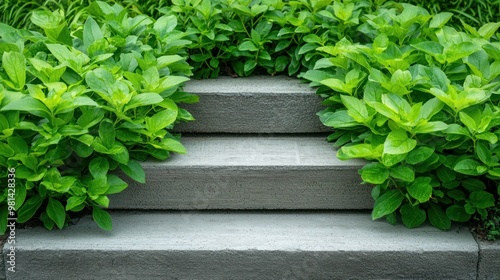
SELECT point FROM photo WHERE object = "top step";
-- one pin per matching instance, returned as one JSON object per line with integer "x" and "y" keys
{"x": 261, "y": 104}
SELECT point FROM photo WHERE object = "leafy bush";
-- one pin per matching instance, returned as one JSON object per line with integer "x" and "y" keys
{"x": 420, "y": 101}
{"x": 472, "y": 12}
{"x": 77, "y": 104}
{"x": 272, "y": 36}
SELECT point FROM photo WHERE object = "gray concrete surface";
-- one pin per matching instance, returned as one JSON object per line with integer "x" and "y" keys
{"x": 249, "y": 172}
{"x": 253, "y": 105}
{"x": 489, "y": 256}
{"x": 245, "y": 245}
{"x": 2, "y": 269}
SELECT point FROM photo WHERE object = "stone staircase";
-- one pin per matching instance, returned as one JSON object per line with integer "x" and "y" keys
{"x": 260, "y": 195}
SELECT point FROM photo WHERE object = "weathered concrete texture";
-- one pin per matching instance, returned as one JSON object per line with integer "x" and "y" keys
{"x": 191, "y": 245}
{"x": 2, "y": 265}
{"x": 253, "y": 105}
{"x": 249, "y": 172}
{"x": 489, "y": 260}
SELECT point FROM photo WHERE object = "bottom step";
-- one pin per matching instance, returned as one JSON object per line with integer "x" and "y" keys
{"x": 244, "y": 245}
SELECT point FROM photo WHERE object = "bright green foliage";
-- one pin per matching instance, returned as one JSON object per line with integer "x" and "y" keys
{"x": 239, "y": 37}
{"x": 76, "y": 104}
{"x": 421, "y": 101}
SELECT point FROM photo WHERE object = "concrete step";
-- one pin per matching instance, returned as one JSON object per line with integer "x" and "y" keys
{"x": 253, "y": 105}
{"x": 244, "y": 245}
{"x": 249, "y": 172}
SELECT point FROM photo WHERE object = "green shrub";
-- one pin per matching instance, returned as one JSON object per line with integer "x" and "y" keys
{"x": 271, "y": 36}
{"x": 420, "y": 101}
{"x": 77, "y": 104}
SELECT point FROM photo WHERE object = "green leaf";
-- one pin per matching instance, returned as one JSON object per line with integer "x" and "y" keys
{"x": 468, "y": 166}
{"x": 165, "y": 24}
{"x": 430, "y": 127}
{"x": 29, "y": 208}
{"x": 99, "y": 167}
{"x": 15, "y": 65}
{"x": 102, "y": 201}
{"x": 116, "y": 185}
{"x": 338, "y": 119}
{"x": 6, "y": 150}
{"x": 391, "y": 218}
{"x": 98, "y": 186}
{"x": 488, "y": 30}
{"x": 359, "y": 151}
{"x": 184, "y": 97}
{"x": 20, "y": 195}
{"x": 473, "y": 185}
{"x": 468, "y": 121}
{"x": 429, "y": 47}
{"x": 404, "y": 173}
{"x": 355, "y": 108}
{"x": 47, "y": 221}
{"x": 249, "y": 66}
{"x": 160, "y": 120}
{"x": 397, "y": 142}
{"x": 107, "y": 133}
{"x": 172, "y": 145}
{"x": 18, "y": 144}
{"x": 374, "y": 173}
{"x": 487, "y": 136}
{"x": 102, "y": 218}
{"x": 412, "y": 216}
{"x": 482, "y": 199}
{"x": 439, "y": 20}
{"x": 91, "y": 32}
{"x": 419, "y": 155}
{"x": 484, "y": 154}
{"x": 248, "y": 46}
{"x": 30, "y": 105}
{"x": 135, "y": 171}
{"x": 438, "y": 218}
{"x": 56, "y": 212}
{"x": 457, "y": 213}
{"x": 75, "y": 202}
{"x": 121, "y": 154}
{"x": 421, "y": 189}
{"x": 391, "y": 160}
{"x": 387, "y": 203}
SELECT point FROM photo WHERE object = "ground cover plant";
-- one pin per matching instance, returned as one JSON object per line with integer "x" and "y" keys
{"x": 76, "y": 104}
{"x": 406, "y": 91}
{"x": 420, "y": 101}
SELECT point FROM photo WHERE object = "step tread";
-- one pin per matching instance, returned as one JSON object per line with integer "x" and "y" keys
{"x": 245, "y": 245}
{"x": 284, "y": 231}
{"x": 257, "y": 151}
{"x": 268, "y": 85}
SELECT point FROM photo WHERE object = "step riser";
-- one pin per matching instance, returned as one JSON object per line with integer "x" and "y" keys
{"x": 253, "y": 105}
{"x": 242, "y": 265}
{"x": 246, "y": 188}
